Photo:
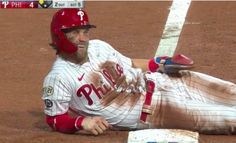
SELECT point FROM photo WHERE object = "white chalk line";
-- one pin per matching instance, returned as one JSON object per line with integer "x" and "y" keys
{"x": 173, "y": 28}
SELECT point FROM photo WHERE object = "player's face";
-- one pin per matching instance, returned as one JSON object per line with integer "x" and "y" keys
{"x": 80, "y": 37}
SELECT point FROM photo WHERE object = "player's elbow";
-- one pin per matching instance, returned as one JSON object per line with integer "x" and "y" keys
{"x": 60, "y": 124}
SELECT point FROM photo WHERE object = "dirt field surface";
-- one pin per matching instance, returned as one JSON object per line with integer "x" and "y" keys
{"x": 133, "y": 28}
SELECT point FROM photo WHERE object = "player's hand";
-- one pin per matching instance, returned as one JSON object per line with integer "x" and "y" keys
{"x": 96, "y": 125}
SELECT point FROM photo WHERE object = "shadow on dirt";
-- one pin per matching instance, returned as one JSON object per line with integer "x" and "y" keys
{"x": 39, "y": 120}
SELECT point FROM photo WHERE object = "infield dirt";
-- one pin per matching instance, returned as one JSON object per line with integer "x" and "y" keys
{"x": 133, "y": 28}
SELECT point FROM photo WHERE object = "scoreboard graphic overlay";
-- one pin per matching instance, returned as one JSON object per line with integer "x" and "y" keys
{"x": 5, "y": 4}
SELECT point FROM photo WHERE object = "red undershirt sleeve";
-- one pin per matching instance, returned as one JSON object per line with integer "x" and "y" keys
{"x": 64, "y": 123}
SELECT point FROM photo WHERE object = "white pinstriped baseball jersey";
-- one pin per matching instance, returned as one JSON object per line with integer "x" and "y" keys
{"x": 108, "y": 86}
{"x": 105, "y": 86}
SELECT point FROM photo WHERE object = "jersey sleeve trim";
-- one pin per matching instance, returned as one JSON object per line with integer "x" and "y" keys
{"x": 78, "y": 122}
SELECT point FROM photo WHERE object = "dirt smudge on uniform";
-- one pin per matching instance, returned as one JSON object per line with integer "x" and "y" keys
{"x": 111, "y": 70}
{"x": 95, "y": 78}
{"x": 122, "y": 97}
{"x": 220, "y": 88}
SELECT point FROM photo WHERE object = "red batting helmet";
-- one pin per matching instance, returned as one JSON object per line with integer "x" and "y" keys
{"x": 67, "y": 19}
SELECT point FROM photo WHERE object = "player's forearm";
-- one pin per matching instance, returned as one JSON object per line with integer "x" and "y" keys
{"x": 64, "y": 123}
{"x": 141, "y": 63}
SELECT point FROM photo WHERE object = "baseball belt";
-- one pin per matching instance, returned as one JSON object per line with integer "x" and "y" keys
{"x": 147, "y": 108}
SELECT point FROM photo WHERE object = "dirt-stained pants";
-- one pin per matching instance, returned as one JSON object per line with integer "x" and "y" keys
{"x": 195, "y": 101}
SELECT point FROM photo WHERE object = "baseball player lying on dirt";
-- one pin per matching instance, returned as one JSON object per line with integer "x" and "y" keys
{"x": 108, "y": 90}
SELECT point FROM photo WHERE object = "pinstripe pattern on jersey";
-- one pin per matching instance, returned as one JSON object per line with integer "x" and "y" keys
{"x": 195, "y": 101}
{"x": 86, "y": 90}
{"x": 191, "y": 102}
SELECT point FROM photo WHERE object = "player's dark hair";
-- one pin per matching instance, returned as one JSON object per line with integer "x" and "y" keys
{"x": 54, "y": 47}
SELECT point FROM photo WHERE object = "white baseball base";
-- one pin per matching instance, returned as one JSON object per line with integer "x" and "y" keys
{"x": 163, "y": 136}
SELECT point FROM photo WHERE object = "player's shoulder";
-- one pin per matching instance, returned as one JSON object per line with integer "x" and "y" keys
{"x": 53, "y": 76}
{"x": 96, "y": 43}
{"x": 58, "y": 71}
